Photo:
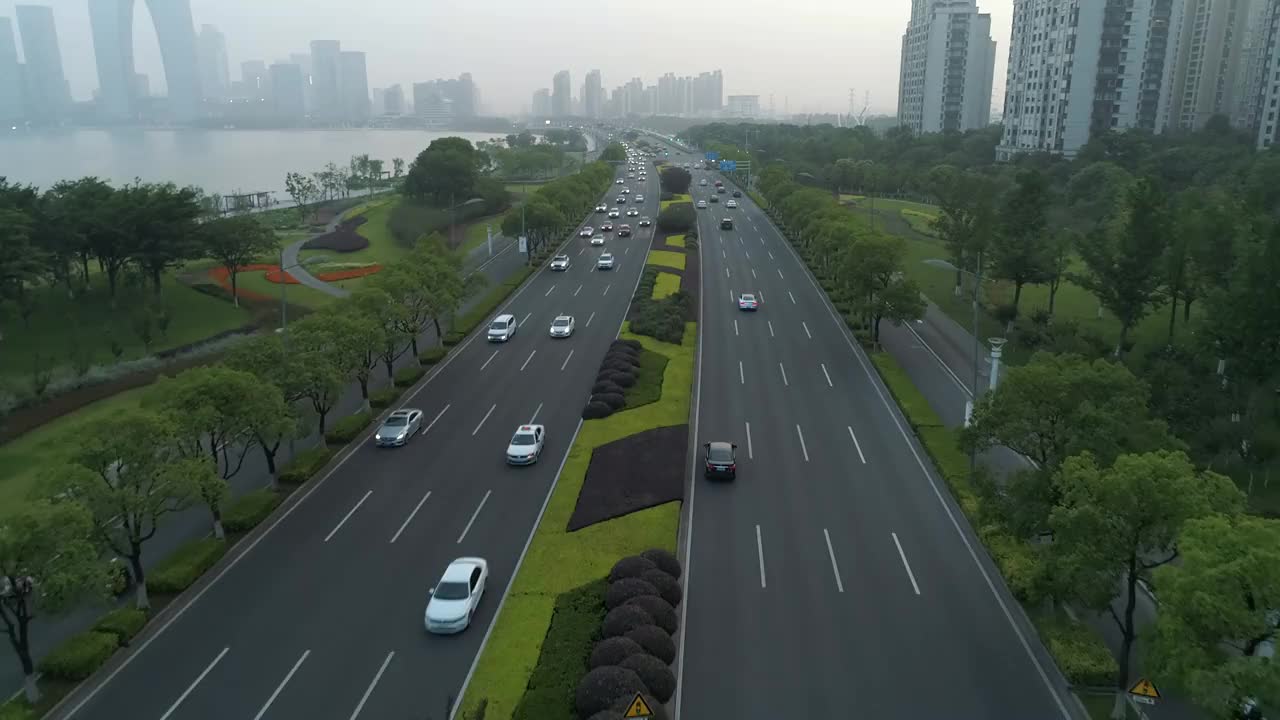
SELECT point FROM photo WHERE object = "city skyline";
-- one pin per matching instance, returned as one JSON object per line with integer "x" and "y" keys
{"x": 853, "y": 63}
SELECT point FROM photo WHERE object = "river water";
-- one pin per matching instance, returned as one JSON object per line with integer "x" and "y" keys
{"x": 219, "y": 161}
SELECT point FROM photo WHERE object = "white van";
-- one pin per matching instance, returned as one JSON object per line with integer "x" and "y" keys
{"x": 502, "y": 328}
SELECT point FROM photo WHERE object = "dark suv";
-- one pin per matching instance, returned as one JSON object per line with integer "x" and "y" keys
{"x": 720, "y": 460}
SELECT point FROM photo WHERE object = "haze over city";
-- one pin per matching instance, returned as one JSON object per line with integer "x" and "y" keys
{"x": 807, "y": 53}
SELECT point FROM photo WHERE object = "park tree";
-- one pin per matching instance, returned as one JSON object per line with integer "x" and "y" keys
{"x": 872, "y": 271}
{"x": 1112, "y": 524}
{"x": 966, "y": 216}
{"x": 390, "y": 318}
{"x": 124, "y": 473}
{"x": 431, "y": 287}
{"x": 541, "y": 220}
{"x": 266, "y": 357}
{"x": 1060, "y": 252}
{"x": 447, "y": 167}
{"x": 1123, "y": 257}
{"x": 302, "y": 189}
{"x": 675, "y": 180}
{"x": 158, "y": 221}
{"x": 613, "y": 153}
{"x": 21, "y": 261}
{"x": 1019, "y": 250}
{"x": 397, "y": 167}
{"x": 349, "y": 340}
{"x": 1094, "y": 193}
{"x": 1217, "y": 614}
{"x": 49, "y": 565}
{"x": 213, "y": 412}
{"x": 235, "y": 242}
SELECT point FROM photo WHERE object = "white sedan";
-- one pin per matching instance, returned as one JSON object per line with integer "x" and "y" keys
{"x": 731, "y": 204}
{"x": 562, "y": 326}
{"x": 597, "y": 240}
{"x": 605, "y": 262}
{"x": 455, "y": 598}
{"x": 526, "y": 445}
{"x": 586, "y": 231}
{"x": 747, "y": 301}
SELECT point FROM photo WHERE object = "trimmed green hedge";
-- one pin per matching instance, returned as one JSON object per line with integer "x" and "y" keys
{"x": 648, "y": 387}
{"x": 1078, "y": 650}
{"x": 250, "y": 509}
{"x": 180, "y": 570}
{"x": 17, "y": 709}
{"x": 306, "y": 464}
{"x": 410, "y": 375}
{"x": 124, "y": 623}
{"x": 433, "y": 356}
{"x": 350, "y": 427}
{"x": 575, "y": 626}
{"x": 78, "y": 657}
{"x": 380, "y": 399}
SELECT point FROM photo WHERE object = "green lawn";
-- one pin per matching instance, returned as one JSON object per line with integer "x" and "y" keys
{"x": 666, "y": 258}
{"x": 295, "y": 294}
{"x": 559, "y": 561}
{"x": 382, "y": 249}
{"x": 674, "y": 199}
{"x": 475, "y": 234}
{"x": 666, "y": 285}
{"x": 60, "y": 325}
{"x": 23, "y": 459}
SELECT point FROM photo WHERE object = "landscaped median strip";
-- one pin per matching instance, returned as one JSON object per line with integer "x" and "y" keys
{"x": 666, "y": 258}
{"x": 668, "y": 284}
{"x": 559, "y": 561}
{"x": 676, "y": 241}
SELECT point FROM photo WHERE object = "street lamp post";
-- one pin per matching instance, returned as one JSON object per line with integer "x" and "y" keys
{"x": 284, "y": 312}
{"x": 977, "y": 344}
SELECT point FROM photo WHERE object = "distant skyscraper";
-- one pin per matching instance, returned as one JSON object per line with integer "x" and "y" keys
{"x": 257, "y": 84}
{"x": 947, "y": 67}
{"x": 353, "y": 83}
{"x": 215, "y": 77}
{"x": 47, "y": 96}
{"x": 112, "y": 25}
{"x": 324, "y": 79}
{"x": 541, "y": 103}
{"x": 1267, "y": 88}
{"x": 1081, "y": 68}
{"x": 464, "y": 97}
{"x": 141, "y": 86}
{"x": 303, "y": 61}
{"x": 744, "y": 106}
{"x": 1209, "y": 59}
{"x": 393, "y": 100}
{"x": 12, "y": 108}
{"x": 561, "y": 95}
{"x": 287, "y": 91}
{"x": 593, "y": 94}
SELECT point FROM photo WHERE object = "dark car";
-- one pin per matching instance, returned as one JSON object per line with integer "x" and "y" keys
{"x": 726, "y": 224}
{"x": 721, "y": 460}
{"x": 624, "y": 231}
{"x": 607, "y": 227}
{"x": 714, "y": 198}
{"x": 720, "y": 189}
{"x": 737, "y": 193}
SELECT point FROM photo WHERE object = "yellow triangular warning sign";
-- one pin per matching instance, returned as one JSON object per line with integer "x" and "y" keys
{"x": 1144, "y": 688}
{"x": 638, "y": 708}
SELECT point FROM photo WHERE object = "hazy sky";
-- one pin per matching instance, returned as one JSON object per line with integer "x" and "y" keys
{"x": 806, "y": 53}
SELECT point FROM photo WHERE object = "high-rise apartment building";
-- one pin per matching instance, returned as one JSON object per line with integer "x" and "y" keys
{"x": 324, "y": 79}
{"x": 947, "y": 67}
{"x": 593, "y": 95}
{"x": 561, "y": 95}
{"x": 1080, "y": 68}
{"x": 1266, "y": 87}
{"x": 743, "y": 106}
{"x": 465, "y": 96}
{"x": 47, "y": 95}
{"x": 112, "y": 24}
{"x": 215, "y": 77}
{"x": 12, "y": 107}
{"x": 541, "y": 107}
{"x": 1209, "y": 62}
{"x": 255, "y": 81}
{"x": 288, "y": 94}
{"x": 353, "y": 85}
{"x": 393, "y": 100}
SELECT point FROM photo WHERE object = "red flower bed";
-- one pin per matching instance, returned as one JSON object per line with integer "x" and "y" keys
{"x": 275, "y": 275}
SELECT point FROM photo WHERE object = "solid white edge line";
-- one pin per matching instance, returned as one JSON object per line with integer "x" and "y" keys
{"x": 486, "y": 417}
{"x": 905, "y": 564}
{"x": 497, "y": 613}
{"x": 874, "y": 378}
{"x": 827, "y": 375}
{"x": 964, "y": 388}
{"x": 369, "y": 690}
{"x": 491, "y": 357}
{"x": 566, "y": 360}
{"x": 803, "y": 448}
{"x": 312, "y": 488}
{"x": 760, "y": 553}
{"x": 526, "y": 360}
{"x": 409, "y": 519}
{"x": 535, "y": 414}
{"x": 347, "y": 517}
{"x": 194, "y": 683}
{"x": 857, "y": 445}
{"x": 280, "y": 687}
{"x": 437, "y": 418}
{"x": 834, "y": 567}
{"x": 474, "y": 515}
{"x": 750, "y": 454}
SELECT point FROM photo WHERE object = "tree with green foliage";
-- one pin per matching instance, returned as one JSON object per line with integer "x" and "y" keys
{"x": 675, "y": 180}
{"x": 1123, "y": 257}
{"x": 213, "y": 412}
{"x": 1113, "y": 524}
{"x": 158, "y": 222}
{"x": 1020, "y": 249}
{"x": 1094, "y": 193}
{"x": 1217, "y": 615}
{"x": 448, "y": 167}
{"x": 302, "y": 190}
{"x": 235, "y": 242}
{"x": 124, "y": 473}
{"x": 49, "y": 565}
{"x": 966, "y": 217}
{"x": 264, "y": 356}
{"x": 872, "y": 272}
{"x": 541, "y": 220}
{"x": 1060, "y": 251}
{"x": 613, "y": 153}
{"x": 353, "y": 344}
{"x": 21, "y": 262}
{"x": 391, "y": 320}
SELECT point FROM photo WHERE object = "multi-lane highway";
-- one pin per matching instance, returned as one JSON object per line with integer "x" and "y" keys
{"x": 835, "y": 577}
{"x": 323, "y": 615}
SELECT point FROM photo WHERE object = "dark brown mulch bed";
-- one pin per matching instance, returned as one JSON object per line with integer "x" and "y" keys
{"x": 637, "y": 472}
{"x": 343, "y": 239}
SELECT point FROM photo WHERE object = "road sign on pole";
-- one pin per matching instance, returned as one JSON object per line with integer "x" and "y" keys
{"x": 728, "y": 166}
{"x": 1144, "y": 691}
{"x": 524, "y": 244}
{"x": 713, "y": 156}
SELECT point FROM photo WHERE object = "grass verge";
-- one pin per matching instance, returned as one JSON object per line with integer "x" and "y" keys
{"x": 676, "y": 241}
{"x": 664, "y": 204}
{"x": 511, "y": 656}
{"x": 648, "y": 387}
{"x": 475, "y": 235}
{"x": 667, "y": 285}
{"x": 666, "y": 258}
{"x": 575, "y": 627}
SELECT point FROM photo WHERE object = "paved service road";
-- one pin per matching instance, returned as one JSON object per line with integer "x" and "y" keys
{"x": 323, "y": 617}
{"x": 835, "y": 577}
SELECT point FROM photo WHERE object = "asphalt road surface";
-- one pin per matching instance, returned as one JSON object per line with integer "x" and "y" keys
{"x": 835, "y": 577}
{"x": 323, "y": 617}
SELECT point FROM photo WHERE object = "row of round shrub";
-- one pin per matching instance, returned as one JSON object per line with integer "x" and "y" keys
{"x": 617, "y": 373}
{"x": 636, "y": 649}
